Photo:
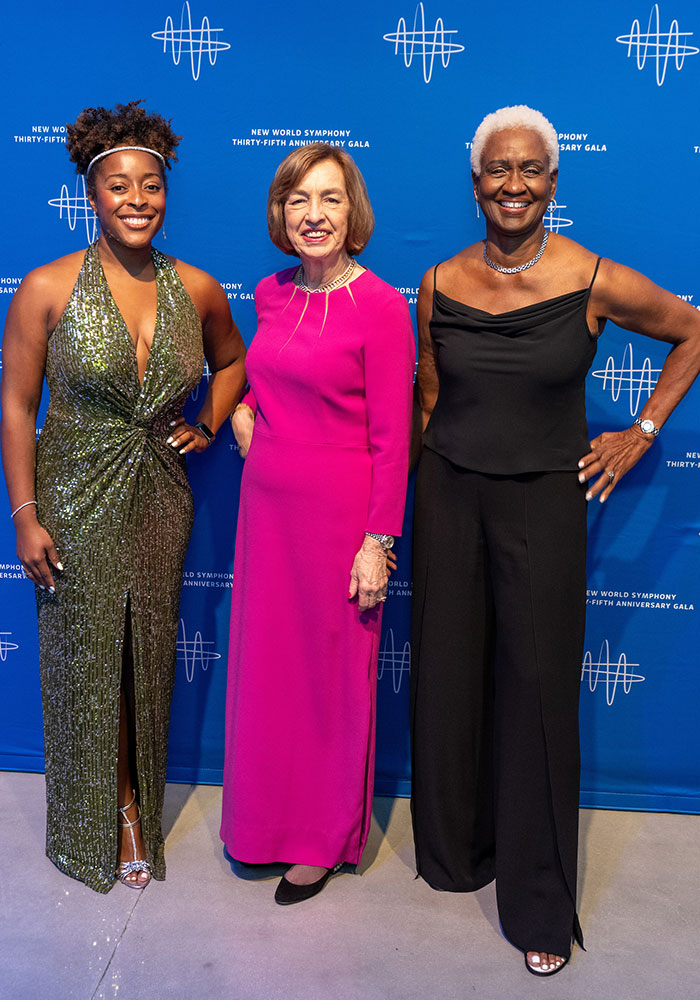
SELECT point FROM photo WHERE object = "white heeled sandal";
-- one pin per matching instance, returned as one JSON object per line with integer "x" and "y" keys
{"x": 126, "y": 868}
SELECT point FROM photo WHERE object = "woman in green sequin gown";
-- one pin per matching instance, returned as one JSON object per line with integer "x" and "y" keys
{"x": 120, "y": 332}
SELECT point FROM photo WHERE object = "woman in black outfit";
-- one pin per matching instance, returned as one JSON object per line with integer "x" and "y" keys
{"x": 507, "y": 333}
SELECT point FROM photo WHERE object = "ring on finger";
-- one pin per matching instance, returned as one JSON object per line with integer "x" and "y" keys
{"x": 611, "y": 476}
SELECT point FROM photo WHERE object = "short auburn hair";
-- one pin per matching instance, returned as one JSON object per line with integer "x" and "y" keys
{"x": 287, "y": 178}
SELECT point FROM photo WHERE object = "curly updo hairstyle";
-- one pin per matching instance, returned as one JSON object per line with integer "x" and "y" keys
{"x": 98, "y": 129}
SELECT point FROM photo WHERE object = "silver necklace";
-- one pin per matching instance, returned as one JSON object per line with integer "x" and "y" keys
{"x": 329, "y": 285}
{"x": 523, "y": 267}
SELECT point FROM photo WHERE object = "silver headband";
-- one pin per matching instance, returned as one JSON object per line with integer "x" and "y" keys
{"x": 119, "y": 149}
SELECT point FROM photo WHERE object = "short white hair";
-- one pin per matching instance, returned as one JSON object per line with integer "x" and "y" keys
{"x": 517, "y": 116}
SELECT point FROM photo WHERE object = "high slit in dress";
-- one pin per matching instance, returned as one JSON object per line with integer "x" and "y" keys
{"x": 115, "y": 499}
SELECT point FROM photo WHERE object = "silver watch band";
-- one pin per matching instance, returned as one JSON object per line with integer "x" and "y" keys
{"x": 386, "y": 541}
{"x": 647, "y": 426}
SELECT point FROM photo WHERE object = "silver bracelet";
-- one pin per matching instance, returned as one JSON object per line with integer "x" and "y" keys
{"x": 28, "y": 503}
{"x": 386, "y": 541}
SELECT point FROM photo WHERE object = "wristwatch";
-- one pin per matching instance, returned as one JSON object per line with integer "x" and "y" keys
{"x": 206, "y": 431}
{"x": 386, "y": 541}
{"x": 647, "y": 426}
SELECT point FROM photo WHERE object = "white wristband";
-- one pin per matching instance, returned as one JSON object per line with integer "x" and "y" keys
{"x": 28, "y": 503}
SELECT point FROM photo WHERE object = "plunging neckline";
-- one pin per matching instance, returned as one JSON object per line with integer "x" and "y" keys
{"x": 124, "y": 325}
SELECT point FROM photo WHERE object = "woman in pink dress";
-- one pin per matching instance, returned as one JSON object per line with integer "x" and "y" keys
{"x": 326, "y": 423}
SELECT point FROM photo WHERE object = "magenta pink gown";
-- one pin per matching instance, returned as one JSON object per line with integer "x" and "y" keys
{"x": 331, "y": 381}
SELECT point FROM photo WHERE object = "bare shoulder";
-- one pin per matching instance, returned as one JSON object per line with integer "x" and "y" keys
{"x": 619, "y": 287}
{"x": 45, "y": 291}
{"x": 446, "y": 268}
{"x": 454, "y": 269}
{"x": 568, "y": 255}
{"x": 204, "y": 290}
{"x": 569, "y": 247}
{"x": 194, "y": 277}
{"x": 53, "y": 278}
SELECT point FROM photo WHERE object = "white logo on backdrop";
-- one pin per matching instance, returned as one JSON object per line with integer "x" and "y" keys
{"x": 608, "y": 673}
{"x": 657, "y": 45}
{"x": 635, "y": 383}
{"x": 6, "y": 646}
{"x": 424, "y": 42}
{"x": 394, "y": 661}
{"x": 194, "y": 42}
{"x": 554, "y": 220}
{"x": 77, "y": 209}
{"x": 195, "y": 652}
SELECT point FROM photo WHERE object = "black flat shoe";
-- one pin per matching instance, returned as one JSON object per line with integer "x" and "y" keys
{"x": 288, "y": 893}
{"x": 551, "y": 972}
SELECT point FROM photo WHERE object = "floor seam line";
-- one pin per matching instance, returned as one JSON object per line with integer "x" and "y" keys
{"x": 114, "y": 950}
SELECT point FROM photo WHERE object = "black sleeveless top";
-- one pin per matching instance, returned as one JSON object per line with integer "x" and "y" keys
{"x": 512, "y": 385}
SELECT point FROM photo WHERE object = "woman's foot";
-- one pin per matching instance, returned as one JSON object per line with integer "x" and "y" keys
{"x": 305, "y": 881}
{"x": 132, "y": 869}
{"x": 540, "y": 963}
{"x": 304, "y": 874}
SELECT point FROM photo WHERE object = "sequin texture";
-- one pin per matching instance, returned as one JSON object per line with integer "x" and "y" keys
{"x": 115, "y": 498}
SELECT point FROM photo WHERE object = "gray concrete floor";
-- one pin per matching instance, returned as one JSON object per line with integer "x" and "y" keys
{"x": 206, "y": 935}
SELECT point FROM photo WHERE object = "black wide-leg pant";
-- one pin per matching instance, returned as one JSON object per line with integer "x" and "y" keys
{"x": 498, "y": 628}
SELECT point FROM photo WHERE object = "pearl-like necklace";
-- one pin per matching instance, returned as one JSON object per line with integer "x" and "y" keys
{"x": 329, "y": 285}
{"x": 523, "y": 267}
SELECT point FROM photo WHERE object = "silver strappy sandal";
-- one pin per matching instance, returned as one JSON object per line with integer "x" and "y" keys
{"x": 125, "y": 868}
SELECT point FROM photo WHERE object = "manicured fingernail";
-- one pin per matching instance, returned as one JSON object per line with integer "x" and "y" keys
{"x": 580, "y": 464}
{"x": 182, "y": 451}
{"x": 581, "y": 477}
{"x": 589, "y": 495}
{"x": 52, "y": 590}
{"x": 170, "y": 440}
{"x": 42, "y": 587}
{"x": 59, "y": 565}
{"x": 602, "y": 499}
{"x": 172, "y": 423}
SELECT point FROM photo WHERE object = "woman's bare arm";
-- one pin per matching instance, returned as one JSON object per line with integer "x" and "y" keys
{"x": 427, "y": 380}
{"x": 225, "y": 353}
{"x": 635, "y": 303}
{"x": 24, "y": 360}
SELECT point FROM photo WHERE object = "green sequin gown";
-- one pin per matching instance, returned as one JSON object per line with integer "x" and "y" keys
{"x": 115, "y": 498}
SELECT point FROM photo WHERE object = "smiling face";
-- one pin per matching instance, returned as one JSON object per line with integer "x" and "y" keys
{"x": 129, "y": 197}
{"x": 516, "y": 185}
{"x": 316, "y": 214}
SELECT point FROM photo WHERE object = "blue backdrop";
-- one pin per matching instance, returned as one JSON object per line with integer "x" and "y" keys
{"x": 402, "y": 88}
